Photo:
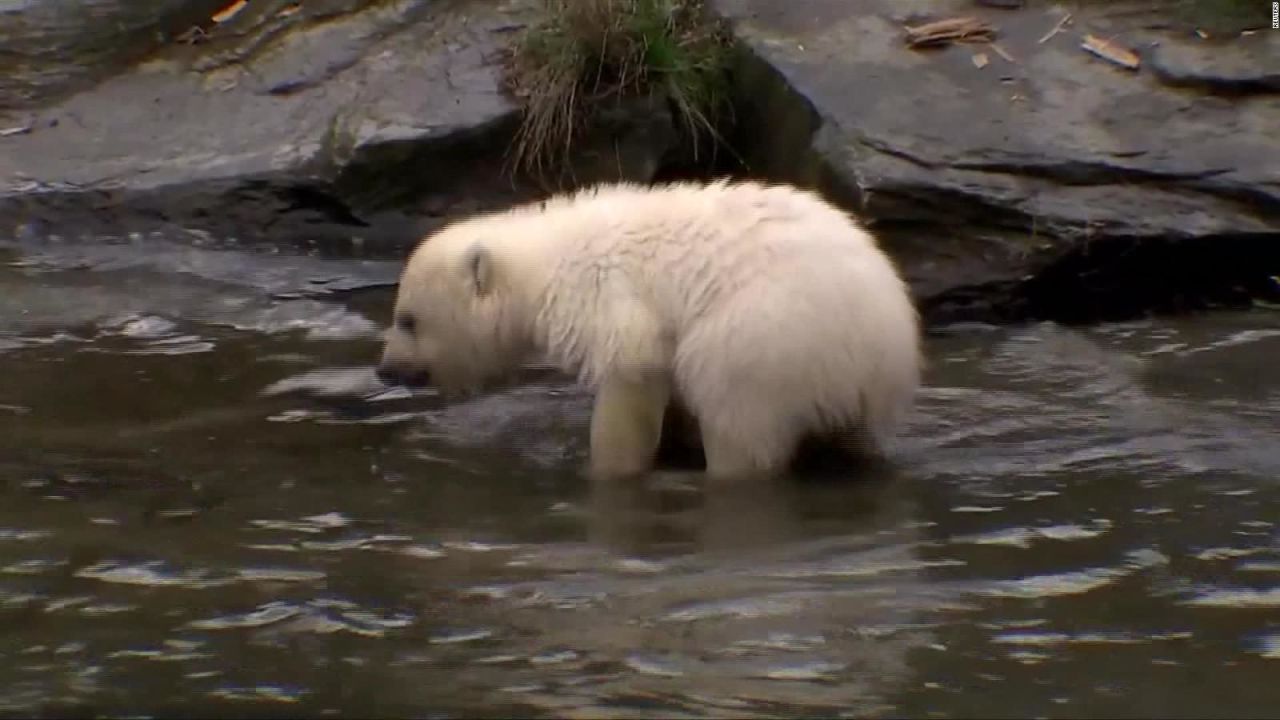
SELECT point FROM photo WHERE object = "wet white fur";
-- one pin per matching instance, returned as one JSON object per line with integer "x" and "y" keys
{"x": 770, "y": 312}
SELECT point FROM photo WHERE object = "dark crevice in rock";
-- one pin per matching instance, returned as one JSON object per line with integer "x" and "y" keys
{"x": 391, "y": 173}
{"x": 1117, "y": 279}
{"x": 1083, "y": 172}
{"x": 1263, "y": 84}
{"x": 323, "y": 205}
{"x": 775, "y": 125}
{"x": 1262, "y": 200}
{"x": 1121, "y": 278}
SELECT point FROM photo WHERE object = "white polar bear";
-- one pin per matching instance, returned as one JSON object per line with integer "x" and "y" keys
{"x": 766, "y": 313}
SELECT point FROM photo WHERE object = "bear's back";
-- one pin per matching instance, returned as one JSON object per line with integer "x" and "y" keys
{"x": 689, "y": 246}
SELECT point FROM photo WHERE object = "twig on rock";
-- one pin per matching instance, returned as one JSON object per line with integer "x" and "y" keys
{"x": 1111, "y": 52}
{"x": 1056, "y": 28}
{"x": 943, "y": 32}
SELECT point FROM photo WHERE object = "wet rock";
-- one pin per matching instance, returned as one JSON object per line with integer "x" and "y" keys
{"x": 1040, "y": 181}
{"x": 346, "y": 125}
{"x": 983, "y": 179}
{"x": 48, "y": 49}
{"x": 1250, "y": 64}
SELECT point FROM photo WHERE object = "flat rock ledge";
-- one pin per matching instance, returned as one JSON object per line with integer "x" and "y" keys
{"x": 347, "y": 126}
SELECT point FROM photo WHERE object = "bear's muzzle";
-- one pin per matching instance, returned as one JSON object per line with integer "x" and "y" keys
{"x": 409, "y": 377}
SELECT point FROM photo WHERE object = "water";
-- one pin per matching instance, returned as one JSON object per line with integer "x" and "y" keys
{"x": 208, "y": 506}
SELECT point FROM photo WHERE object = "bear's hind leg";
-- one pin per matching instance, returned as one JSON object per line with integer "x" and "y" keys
{"x": 626, "y": 425}
{"x": 737, "y": 451}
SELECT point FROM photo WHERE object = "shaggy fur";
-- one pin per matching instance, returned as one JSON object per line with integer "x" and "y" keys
{"x": 767, "y": 312}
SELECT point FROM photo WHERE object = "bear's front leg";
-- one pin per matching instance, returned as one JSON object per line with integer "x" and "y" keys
{"x": 626, "y": 424}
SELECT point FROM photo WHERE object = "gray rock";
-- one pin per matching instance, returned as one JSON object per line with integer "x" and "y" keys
{"x": 48, "y": 49}
{"x": 210, "y": 126}
{"x": 346, "y": 125}
{"x": 1050, "y": 183}
{"x": 984, "y": 178}
{"x": 1250, "y": 65}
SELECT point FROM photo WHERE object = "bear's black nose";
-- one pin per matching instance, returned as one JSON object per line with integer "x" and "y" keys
{"x": 393, "y": 376}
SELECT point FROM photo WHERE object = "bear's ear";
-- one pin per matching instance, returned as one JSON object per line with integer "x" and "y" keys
{"x": 478, "y": 265}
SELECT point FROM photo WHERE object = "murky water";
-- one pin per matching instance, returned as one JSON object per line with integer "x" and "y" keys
{"x": 209, "y": 507}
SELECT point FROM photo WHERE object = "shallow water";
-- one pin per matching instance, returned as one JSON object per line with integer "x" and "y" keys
{"x": 208, "y": 506}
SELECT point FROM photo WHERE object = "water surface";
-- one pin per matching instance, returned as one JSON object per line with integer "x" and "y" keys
{"x": 209, "y": 506}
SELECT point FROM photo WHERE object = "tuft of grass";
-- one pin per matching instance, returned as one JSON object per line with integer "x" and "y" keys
{"x": 584, "y": 53}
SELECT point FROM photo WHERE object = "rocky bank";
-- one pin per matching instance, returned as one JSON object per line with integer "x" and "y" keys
{"x": 346, "y": 125}
{"x": 1035, "y": 178}
{"x": 1022, "y": 179}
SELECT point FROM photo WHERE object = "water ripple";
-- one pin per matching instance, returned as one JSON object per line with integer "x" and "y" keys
{"x": 152, "y": 574}
{"x": 321, "y": 617}
{"x": 260, "y": 693}
{"x": 1237, "y": 598}
{"x": 1025, "y": 537}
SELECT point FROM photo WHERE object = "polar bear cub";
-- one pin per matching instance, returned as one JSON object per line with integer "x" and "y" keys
{"x": 766, "y": 313}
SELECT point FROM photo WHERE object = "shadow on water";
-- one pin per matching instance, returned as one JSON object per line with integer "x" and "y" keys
{"x": 209, "y": 506}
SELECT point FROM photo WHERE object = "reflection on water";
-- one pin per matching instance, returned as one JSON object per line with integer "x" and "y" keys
{"x": 208, "y": 504}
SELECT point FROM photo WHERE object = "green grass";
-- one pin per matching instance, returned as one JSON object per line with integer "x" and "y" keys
{"x": 584, "y": 53}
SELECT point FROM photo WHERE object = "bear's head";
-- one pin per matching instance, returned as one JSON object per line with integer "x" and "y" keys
{"x": 455, "y": 324}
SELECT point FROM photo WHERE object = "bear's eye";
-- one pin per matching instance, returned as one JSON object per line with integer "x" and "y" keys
{"x": 406, "y": 323}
